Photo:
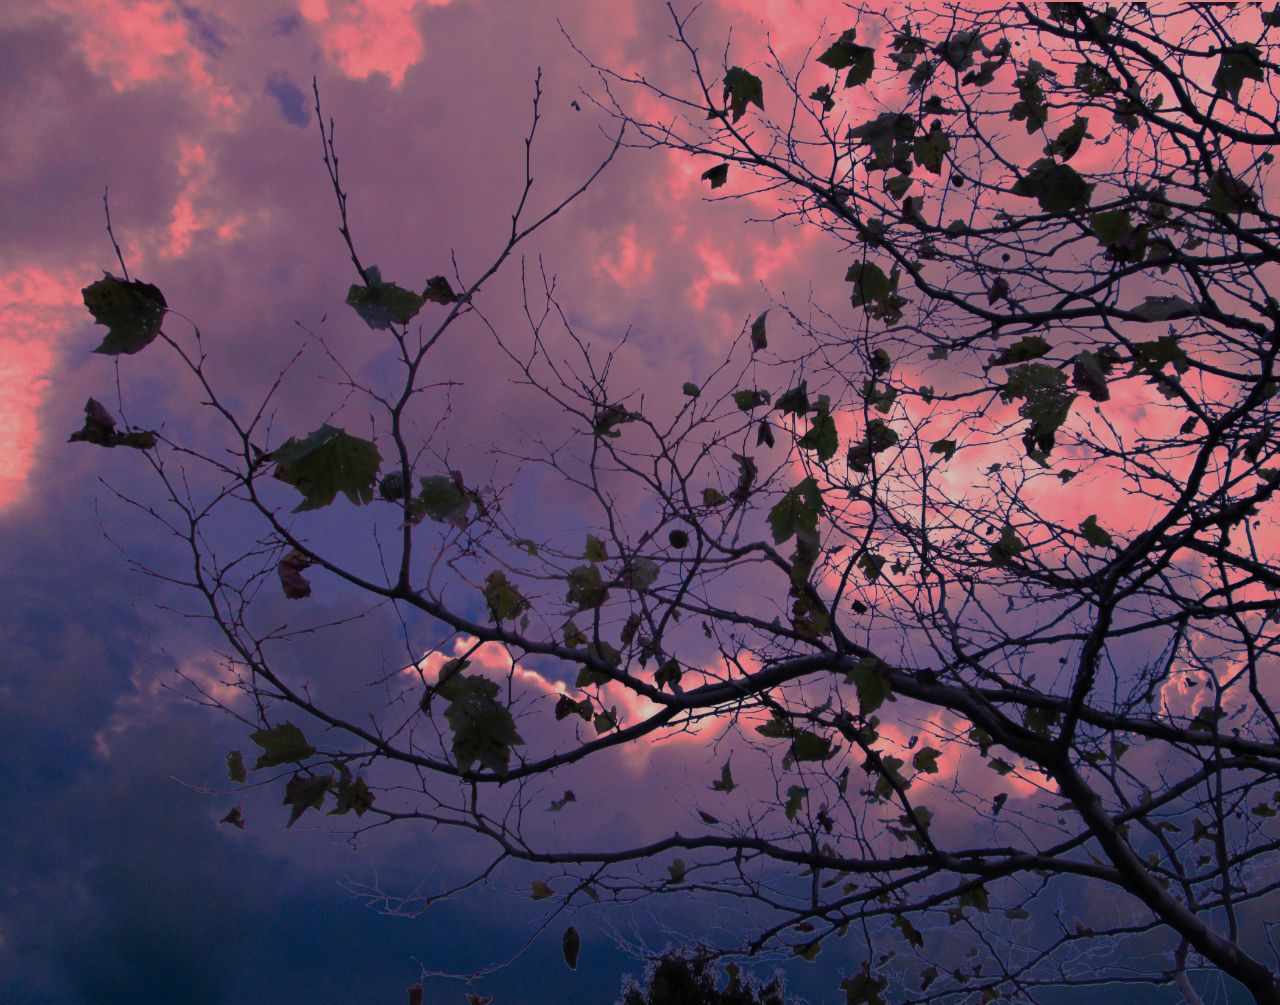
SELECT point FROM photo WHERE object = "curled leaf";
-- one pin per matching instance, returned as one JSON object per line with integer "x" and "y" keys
{"x": 571, "y": 944}
{"x": 292, "y": 581}
{"x": 100, "y": 429}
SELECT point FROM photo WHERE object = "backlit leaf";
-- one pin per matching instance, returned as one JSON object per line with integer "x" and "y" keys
{"x": 326, "y": 462}
{"x": 281, "y": 744}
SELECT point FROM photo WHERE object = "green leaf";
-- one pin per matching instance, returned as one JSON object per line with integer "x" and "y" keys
{"x": 929, "y": 149}
{"x": 539, "y": 890}
{"x": 1111, "y": 227}
{"x": 795, "y": 800}
{"x": 809, "y": 746}
{"x": 717, "y": 175}
{"x": 823, "y": 96}
{"x": 1094, "y": 534}
{"x": 870, "y": 678}
{"x": 352, "y": 795}
{"x": 926, "y": 760}
{"x": 235, "y": 767}
{"x": 281, "y": 744}
{"x": 821, "y": 437}
{"x": 382, "y": 305}
{"x": 668, "y": 675}
{"x": 131, "y": 311}
{"x": 306, "y": 792}
{"x": 443, "y": 499}
{"x": 438, "y": 291}
{"x": 863, "y": 989}
{"x": 872, "y": 566}
{"x": 505, "y": 601}
{"x": 748, "y": 399}
{"x": 870, "y": 284}
{"x": 1032, "y": 106}
{"x": 605, "y": 721}
{"x": 1228, "y": 194}
{"x": 713, "y": 497}
{"x": 945, "y": 447}
{"x": 889, "y": 136}
{"x": 1046, "y": 403}
{"x": 1067, "y": 143}
{"x": 1022, "y": 351}
{"x": 1007, "y": 547}
{"x": 691, "y": 389}
{"x": 742, "y": 88}
{"x": 571, "y": 946}
{"x": 595, "y": 550}
{"x": 483, "y": 729}
{"x": 758, "y": 338}
{"x": 795, "y": 401}
{"x": 677, "y": 870}
{"x": 845, "y": 54}
{"x": 1238, "y": 63}
{"x": 326, "y": 462}
{"x": 586, "y": 588}
{"x": 897, "y": 185}
{"x": 798, "y": 510}
{"x": 976, "y": 898}
{"x": 909, "y": 931}
{"x": 1058, "y": 188}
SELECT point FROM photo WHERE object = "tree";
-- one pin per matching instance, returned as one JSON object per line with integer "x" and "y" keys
{"x": 675, "y": 979}
{"x": 975, "y": 574}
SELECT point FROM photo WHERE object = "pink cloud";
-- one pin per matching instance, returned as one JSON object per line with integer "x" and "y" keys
{"x": 37, "y": 309}
{"x": 364, "y": 37}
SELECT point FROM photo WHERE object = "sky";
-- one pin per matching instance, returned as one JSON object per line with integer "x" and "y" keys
{"x": 121, "y": 884}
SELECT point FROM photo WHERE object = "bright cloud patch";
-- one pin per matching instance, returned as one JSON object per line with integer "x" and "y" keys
{"x": 364, "y": 37}
{"x": 36, "y": 310}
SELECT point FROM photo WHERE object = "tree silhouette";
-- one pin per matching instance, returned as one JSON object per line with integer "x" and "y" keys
{"x": 975, "y": 574}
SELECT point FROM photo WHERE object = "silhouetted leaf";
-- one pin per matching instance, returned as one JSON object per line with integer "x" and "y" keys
{"x": 305, "y": 792}
{"x": 506, "y": 603}
{"x": 571, "y": 945}
{"x": 382, "y": 305}
{"x": 1094, "y": 534}
{"x": 281, "y": 744}
{"x": 742, "y": 88}
{"x": 1067, "y": 143}
{"x": 798, "y": 510}
{"x": 131, "y": 311}
{"x": 326, "y": 462}
{"x": 759, "y": 340}
{"x": 717, "y": 175}
{"x": 438, "y": 291}
{"x": 483, "y": 729}
{"x": 1056, "y": 187}
{"x": 1238, "y": 63}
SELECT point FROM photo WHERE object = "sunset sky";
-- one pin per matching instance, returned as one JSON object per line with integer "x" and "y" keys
{"x": 120, "y": 886}
{"x": 120, "y": 883}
